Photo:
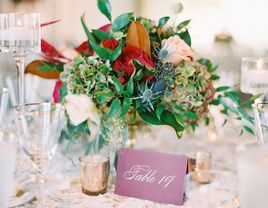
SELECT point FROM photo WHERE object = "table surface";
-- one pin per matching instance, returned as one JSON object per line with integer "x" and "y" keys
{"x": 66, "y": 188}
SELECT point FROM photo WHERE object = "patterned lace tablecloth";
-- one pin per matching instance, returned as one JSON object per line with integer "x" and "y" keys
{"x": 224, "y": 153}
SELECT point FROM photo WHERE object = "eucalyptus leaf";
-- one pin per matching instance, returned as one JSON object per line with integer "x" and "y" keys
{"x": 105, "y": 8}
{"x": 222, "y": 88}
{"x": 115, "y": 107}
{"x": 248, "y": 129}
{"x": 121, "y": 21}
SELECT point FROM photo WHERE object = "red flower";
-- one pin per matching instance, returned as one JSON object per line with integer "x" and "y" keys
{"x": 124, "y": 63}
{"x": 56, "y": 91}
{"x": 110, "y": 43}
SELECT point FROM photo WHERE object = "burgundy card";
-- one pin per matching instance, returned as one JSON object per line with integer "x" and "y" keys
{"x": 151, "y": 175}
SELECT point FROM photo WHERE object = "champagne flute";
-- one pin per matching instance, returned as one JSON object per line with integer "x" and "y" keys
{"x": 39, "y": 126}
{"x": 20, "y": 35}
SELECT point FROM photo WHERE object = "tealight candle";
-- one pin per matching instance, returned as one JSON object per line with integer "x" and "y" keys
{"x": 94, "y": 174}
{"x": 199, "y": 160}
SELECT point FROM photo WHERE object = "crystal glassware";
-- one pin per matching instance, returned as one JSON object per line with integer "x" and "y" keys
{"x": 209, "y": 188}
{"x": 20, "y": 35}
{"x": 3, "y": 104}
{"x": 39, "y": 126}
{"x": 260, "y": 111}
{"x": 252, "y": 171}
{"x": 254, "y": 75}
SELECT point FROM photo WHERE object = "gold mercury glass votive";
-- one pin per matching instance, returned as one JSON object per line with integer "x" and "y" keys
{"x": 94, "y": 174}
{"x": 199, "y": 160}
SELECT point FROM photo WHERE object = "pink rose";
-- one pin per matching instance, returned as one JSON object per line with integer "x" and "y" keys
{"x": 177, "y": 50}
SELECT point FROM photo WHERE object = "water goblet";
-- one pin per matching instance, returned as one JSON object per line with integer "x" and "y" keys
{"x": 20, "y": 35}
{"x": 39, "y": 126}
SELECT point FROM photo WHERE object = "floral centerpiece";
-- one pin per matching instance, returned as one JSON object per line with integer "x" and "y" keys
{"x": 135, "y": 66}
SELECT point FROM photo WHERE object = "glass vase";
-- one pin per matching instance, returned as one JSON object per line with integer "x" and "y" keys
{"x": 113, "y": 136}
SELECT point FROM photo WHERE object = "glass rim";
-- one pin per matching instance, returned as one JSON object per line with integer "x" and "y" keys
{"x": 83, "y": 162}
{"x": 255, "y": 105}
{"x": 254, "y": 58}
{"x": 193, "y": 155}
{"x": 18, "y": 13}
{"x": 3, "y": 90}
{"x": 18, "y": 108}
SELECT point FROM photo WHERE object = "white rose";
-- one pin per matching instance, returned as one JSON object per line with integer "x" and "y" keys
{"x": 80, "y": 108}
{"x": 177, "y": 50}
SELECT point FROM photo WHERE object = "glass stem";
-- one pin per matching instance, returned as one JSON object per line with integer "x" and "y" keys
{"x": 40, "y": 177}
{"x": 20, "y": 61}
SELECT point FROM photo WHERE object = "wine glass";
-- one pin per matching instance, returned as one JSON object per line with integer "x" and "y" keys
{"x": 39, "y": 126}
{"x": 3, "y": 104}
{"x": 260, "y": 111}
{"x": 209, "y": 188}
{"x": 20, "y": 35}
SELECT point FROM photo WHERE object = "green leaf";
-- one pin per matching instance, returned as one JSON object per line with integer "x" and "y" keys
{"x": 138, "y": 76}
{"x": 248, "y": 129}
{"x": 63, "y": 91}
{"x": 180, "y": 119}
{"x": 190, "y": 114}
{"x": 115, "y": 107}
{"x": 48, "y": 67}
{"x": 130, "y": 87}
{"x": 215, "y": 77}
{"x": 163, "y": 21}
{"x": 186, "y": 37}
{"x": 118, "y": 85}
{"x": 183, "y": 24}
{"x": 105, "y": 8}
{"x": 150, "y": 117}
{"x": 234, "y": 96}
{"x": 163, "y": 54}
{"x": 254, "y": 97}
{"x": 100, "y": 51}
{"x": 88, "y": 33}
{"x": 159, "y": 111}
{"x": 104, "y": 92}
{"x": 169, "y": 119}
{"x": 215, "y": 102}
{"x": 117, "y": 52}
{"x": 101, "y": 35}
{"x": 125, "y": 106}
{"x": 121, "y": 21}
{"x": 222, "y": 88}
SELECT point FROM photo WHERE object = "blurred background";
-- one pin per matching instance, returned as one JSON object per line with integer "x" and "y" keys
{"x": 222, "y": 30}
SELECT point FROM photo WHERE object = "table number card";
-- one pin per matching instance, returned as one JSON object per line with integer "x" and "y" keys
{"x": 151, "y": 175}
